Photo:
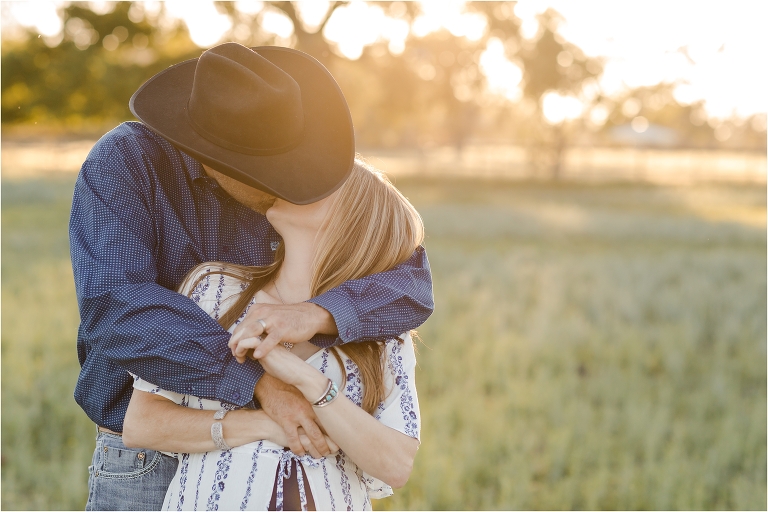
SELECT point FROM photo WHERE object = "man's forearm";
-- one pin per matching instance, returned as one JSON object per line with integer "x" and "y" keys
{"x": 380, "y": 305}
{"x": 193, "y": 358}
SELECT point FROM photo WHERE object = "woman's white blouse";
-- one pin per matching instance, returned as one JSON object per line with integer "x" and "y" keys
{"x": 243, "y": 477}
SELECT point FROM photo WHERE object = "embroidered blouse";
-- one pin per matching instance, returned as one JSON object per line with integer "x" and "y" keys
{"x": 243, "y": 477}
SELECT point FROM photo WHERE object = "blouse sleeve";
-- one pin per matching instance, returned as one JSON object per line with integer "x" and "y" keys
{"x": 148, "y": 387}
{"x": 400, "y": 408}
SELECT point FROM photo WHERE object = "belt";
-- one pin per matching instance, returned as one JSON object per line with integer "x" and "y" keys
{"x": 107, "y": 431}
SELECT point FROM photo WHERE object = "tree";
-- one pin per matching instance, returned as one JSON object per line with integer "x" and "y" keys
{"x": 553, "y": 65}
{"x": 85, "y": 78}
{"x": 428, "y": 94}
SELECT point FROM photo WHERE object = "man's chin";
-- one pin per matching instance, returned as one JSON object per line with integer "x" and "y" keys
{"x": 265, "y": 204}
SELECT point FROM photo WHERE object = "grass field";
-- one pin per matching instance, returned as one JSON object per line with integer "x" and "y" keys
{"x": 598, "y": 347}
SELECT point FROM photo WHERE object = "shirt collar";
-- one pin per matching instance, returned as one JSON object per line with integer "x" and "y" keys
{"x": 193, "y": 167}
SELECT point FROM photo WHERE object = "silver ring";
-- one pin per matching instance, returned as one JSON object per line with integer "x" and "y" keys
{"x": 263, "y": 324}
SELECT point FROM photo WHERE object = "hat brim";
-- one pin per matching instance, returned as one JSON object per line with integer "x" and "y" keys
{"x": 312, "y": 170}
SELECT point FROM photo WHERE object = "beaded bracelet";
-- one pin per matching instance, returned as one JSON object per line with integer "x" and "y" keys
{"x": 330, "y": 394}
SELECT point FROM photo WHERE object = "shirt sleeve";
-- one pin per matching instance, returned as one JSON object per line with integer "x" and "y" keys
{"x": 400, "y": 408}
{"x": 126, "y": 316}
{"x": 381, "y": 305}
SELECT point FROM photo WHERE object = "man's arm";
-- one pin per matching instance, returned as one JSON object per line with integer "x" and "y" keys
{"x": 153, "y": 421}
{"x": 126, "y": 316}
{"x": 379, "y": 306}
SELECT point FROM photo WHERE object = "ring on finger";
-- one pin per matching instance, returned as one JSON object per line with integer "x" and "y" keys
{"x": 263, "y": 324}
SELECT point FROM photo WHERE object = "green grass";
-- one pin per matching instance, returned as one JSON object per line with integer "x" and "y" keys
{"x": 597, "y": 347}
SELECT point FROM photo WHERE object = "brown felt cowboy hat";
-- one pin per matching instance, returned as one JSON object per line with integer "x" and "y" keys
{"x": 270, "y": 117}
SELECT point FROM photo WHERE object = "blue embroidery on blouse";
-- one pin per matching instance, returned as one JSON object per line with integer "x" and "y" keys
{"x": 361, "y": 481}
{"x": 199, "y": 478}
{"x": 328, "y": 484}
{"x": 222, "y": 471}
{"x": 407, "y": 408}
{"x": 251, "y": 475}
{"x": 199, "y": 292}
{"x": 217, "y": 304}
{"x": 354, "y": 387}
{"x": 183, "y": 479}
{"x": 345, "y": 488}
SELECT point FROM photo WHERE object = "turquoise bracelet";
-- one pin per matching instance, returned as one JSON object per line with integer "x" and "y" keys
{"x": 331, "y": 392}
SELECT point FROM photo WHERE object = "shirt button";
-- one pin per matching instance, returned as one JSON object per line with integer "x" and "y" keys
{"x": 225, "y": 249}
{"x": 381, "y": 330}
{"x": 349, "y": 331}
{"x": 236, "y": 395}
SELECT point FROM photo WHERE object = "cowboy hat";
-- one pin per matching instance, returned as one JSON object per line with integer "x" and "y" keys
{"x": 270, "y": 117}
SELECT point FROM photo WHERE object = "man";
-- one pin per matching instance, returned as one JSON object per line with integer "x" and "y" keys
{"x": 156, "y": 198}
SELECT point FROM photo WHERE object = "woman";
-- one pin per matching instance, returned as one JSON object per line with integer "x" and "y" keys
{"x": 363, "y": 228}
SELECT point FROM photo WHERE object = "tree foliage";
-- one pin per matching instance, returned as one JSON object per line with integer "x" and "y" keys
{"x": 71, "y": 84}
{"x": 434, "y": 92}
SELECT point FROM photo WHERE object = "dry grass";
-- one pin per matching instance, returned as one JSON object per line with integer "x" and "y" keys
{"x": 593, "y": 347}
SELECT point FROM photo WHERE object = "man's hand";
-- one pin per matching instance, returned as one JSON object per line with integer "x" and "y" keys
{"x": 288, "y": 408}
{"x": 292, "y": 323}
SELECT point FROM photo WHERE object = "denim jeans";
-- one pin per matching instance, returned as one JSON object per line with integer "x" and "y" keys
{"x": 127, "y": 478}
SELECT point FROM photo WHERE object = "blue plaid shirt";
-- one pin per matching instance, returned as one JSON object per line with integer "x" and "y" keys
{"x": 143, "y": 215}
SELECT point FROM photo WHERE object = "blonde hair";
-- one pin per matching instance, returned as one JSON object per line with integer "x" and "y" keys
{"x": 370, "y": 227}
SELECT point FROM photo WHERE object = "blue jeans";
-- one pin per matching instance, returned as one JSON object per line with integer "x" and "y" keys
{"x": 127, "y": 478}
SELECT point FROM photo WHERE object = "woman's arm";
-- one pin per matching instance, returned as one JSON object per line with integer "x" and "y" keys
{"x": 157, "y": 423}
{"x": 377, "y": 449}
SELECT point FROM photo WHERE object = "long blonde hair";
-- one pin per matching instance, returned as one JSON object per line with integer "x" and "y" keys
{"x": 370, "y": 227}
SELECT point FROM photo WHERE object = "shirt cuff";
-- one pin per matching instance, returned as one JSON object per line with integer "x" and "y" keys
{"x": 337, "y": 303}
{"x": 238, "y": 381}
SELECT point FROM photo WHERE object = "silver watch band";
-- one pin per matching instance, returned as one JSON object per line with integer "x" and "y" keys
{"x": 217, "y": 434}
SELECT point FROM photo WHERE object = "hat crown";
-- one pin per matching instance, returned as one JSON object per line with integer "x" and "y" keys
{"x": 243, "y": 102}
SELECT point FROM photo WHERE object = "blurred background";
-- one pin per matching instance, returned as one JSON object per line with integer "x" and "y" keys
{"x": 592, "y": 177}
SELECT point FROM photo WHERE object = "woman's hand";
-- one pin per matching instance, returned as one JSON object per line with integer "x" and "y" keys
{"x": 288, "y": 367}
{"x": 293, "y": 370}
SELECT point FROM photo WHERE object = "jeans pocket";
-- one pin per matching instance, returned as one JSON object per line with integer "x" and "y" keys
{"x": 123, "y": 478}
{"x": 117, "y": 461}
